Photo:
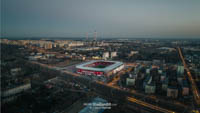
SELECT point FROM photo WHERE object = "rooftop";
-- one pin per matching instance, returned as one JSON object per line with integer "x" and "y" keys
{"x": 110, "y": 66}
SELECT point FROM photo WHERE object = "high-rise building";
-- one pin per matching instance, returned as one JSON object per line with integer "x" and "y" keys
{"x": 180, "y": 70}
{"x": 113, "y": 54}
{"x": 105, "y": 55}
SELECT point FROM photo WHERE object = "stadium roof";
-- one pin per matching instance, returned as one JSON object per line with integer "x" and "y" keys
{"x": 108, "y": 68}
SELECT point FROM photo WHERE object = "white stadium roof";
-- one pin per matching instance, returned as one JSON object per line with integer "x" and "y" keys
{"x": 106, "y": 69}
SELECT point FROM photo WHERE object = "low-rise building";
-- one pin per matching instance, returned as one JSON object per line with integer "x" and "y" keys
{"x": 172, "y": 92}
{"x": 15, "y": 71}
{"x": 150, "y": 88}
{"x": 133, "y": 53}
{"x": 96, "y": 57}
{"x": 162, "y": 77}
{"x": 11, "y": 93}
{"x": 180, "y": 79}
{"x": 185, "y": 88}
{"x": 130, "y": 81}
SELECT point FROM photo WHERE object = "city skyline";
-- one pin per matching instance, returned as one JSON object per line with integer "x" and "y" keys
{"x": 153, "y": 75}
{"x": 159, "y": 19}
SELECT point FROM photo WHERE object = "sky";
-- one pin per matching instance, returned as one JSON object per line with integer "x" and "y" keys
{"x": 110, "y": 18}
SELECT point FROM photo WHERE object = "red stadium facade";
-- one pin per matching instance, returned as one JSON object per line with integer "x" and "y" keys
{"x": 99, "y": 67}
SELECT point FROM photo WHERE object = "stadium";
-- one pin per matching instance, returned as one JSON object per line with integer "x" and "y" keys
{"x": 99, "y": 67}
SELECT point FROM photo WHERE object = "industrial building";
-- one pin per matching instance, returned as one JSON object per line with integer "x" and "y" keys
{"x": 99, "y": 67}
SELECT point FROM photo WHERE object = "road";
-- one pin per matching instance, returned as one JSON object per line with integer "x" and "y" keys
{"x": 149, "y": 105}
{"x": 192, "y": 81}
{"x": 122, "y": 72}
{"x": 131, "y": 99}
{"x": 116, "y": 78}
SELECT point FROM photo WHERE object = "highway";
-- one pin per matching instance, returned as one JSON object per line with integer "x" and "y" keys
{"x": 195, "y": 90}
{"x": 97, "y": 84}
{"x": 149, "y": 105}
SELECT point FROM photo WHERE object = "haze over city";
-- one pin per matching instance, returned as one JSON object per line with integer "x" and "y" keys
{"x": 100, "y": 56}
{"x": 110, "y": 18}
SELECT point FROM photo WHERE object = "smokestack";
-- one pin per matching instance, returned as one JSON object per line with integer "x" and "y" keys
{"x": 86, "y": 35}
{"x": 95, "y": 35}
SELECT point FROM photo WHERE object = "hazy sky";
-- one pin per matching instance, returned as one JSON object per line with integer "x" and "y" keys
{"x": 110, "y": 18}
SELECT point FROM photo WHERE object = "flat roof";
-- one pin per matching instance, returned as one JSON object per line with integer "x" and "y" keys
{"x": 108, "y": 68}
